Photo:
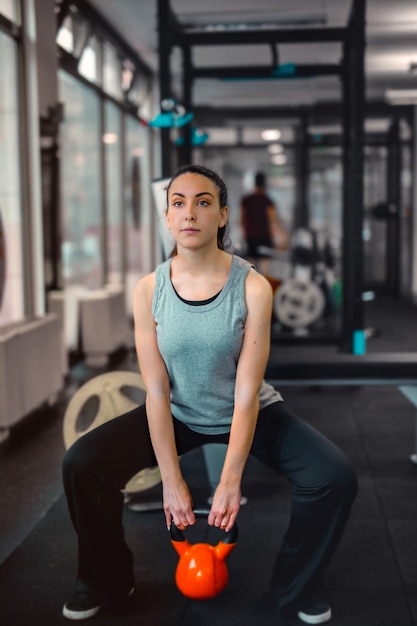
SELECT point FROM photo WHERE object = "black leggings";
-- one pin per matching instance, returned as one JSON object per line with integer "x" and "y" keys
{"x": 101, "y": 462}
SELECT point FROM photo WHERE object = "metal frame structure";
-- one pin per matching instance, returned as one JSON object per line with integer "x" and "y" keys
{"x": 393, "y": 235}
{"x": 351, "y": 72}
{"x": 353, "y": 100}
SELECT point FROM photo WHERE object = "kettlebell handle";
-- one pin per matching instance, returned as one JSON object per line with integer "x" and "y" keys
{"x": 203, "y": 512}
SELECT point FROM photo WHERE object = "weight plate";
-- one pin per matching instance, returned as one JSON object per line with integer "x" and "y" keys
{"x": 298, "y": 304}
{"x": 103, "y": 398}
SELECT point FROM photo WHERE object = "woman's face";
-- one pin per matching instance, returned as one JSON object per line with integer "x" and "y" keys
{"x": 194, "y": 214}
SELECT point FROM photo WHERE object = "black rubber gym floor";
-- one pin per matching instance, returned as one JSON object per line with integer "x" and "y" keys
{"x": 372, "y": 580}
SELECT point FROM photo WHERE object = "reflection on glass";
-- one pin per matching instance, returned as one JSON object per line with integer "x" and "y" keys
{"x": 113, "y": 181}
{"x": 128, "y": 73}
{"x": 89, "y": 61}
{"x": 11, "y": 266}
{"x": 133, "y": 156}
{"x": 325, "y": 192}
{"x": 375, "y": 226}
{"x": 325, "y": 222}
{"x": 137, "y": 194}
{"x": 81, "y": 195}
{"x": 65, "y": 37}
{"x": 138, "y": 91}
{"x": 112, "y": 72}
{"x": 73, "y": 33}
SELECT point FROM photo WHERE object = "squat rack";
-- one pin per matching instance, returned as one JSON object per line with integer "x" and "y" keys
{"x": 351, "y": 73}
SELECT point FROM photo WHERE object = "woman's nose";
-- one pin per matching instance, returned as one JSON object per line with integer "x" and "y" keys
{"x": 190, "y": 214}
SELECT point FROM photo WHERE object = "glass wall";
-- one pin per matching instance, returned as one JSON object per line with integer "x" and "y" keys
{"x": 136, "y": 184}
{"x": 89, "y": 64}
{"x": 11, "y": 263}
{"x": 112, "y": 72}
{"x": 112, "y": 141}
{"x": 81, "y": 184}
{"x": 325, "y": 191}
{"x": 107, "y": 224}
{"x": 375, "y": 224}
{"x": 406, "y": 197}
{"x": 128, "y": 237}
{"x": 325, "y": 207}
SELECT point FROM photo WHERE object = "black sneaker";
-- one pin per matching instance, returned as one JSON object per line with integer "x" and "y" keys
{"x": 314, "y": 608}
{"x": 84, "y": 603}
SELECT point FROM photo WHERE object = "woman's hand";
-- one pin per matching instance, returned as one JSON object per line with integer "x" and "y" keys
{"x": 178, "y": 505}
{"x": 225, "y": 507}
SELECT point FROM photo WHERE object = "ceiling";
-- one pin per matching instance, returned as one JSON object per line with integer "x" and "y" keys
{"x": 391, "y": 47}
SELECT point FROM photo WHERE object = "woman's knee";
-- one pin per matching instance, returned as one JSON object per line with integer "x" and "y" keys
{"x": 344, "y": 481}
{"x": 76, "y": 459}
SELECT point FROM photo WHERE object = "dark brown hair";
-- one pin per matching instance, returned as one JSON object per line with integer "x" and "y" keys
{"x": 221, "y": 188}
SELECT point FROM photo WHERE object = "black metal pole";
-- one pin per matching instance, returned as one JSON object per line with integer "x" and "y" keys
{"x": 392, "y": 259}
{"x": 352, "y": 337}
{"x": 187, "y": 148}
{"x": 164, "y": 11}
{"x": 50, "y": 161}
{"x": 301, "y": 218}
{"x": 55, "y": 237}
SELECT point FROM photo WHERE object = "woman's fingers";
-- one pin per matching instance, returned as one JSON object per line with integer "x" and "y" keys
{"x": 224, "y": 519}
{"x": 181, "y": 517}
{"x": 184, "y": 520}
{"x": 178, "y": 505}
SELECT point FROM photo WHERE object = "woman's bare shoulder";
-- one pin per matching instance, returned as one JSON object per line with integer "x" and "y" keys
{"x": 257, "y": 284}
{"x": 144, "y": 287}
{"x": 258, "y": 293}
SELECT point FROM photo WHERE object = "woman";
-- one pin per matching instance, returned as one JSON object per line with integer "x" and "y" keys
{"x": 204, "y": 315}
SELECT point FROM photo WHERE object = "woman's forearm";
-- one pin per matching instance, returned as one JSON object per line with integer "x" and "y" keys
{"x": 240, "y": 442}
{"x": 163, "y": 440}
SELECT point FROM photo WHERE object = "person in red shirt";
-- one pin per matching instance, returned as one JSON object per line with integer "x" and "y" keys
{"x": 261, "y": 225}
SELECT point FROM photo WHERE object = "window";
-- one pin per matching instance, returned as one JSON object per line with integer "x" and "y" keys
{"x": 325, "y": 191}
{"x": 9, "y": 8}
{"x": 73, "y": 34}
{"x": 128, "y": 74}
{"x": 137, "y": 193}
{"x": 113, "y": 182}
{"x": 105, "y": 158}
{"x": 89, "y": 65}
{"x": 138, "y": 93}
{"x": 11, "y": 264}
{"x": 65, "y": 37}
{"x": 112, "y": 72}
{"x": 81, "y": 186}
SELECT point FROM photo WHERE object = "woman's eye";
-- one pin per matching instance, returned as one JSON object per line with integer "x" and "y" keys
{"x": 203, "y": 203}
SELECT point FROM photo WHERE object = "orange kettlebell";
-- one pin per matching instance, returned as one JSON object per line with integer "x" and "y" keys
{"x": 202, "y": 571}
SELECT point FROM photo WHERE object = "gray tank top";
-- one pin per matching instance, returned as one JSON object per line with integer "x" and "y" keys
{"x": 200, "y": 346}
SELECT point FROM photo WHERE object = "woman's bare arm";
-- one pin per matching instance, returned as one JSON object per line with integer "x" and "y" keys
{"x": 250, "y": 372}
{"x": 177, "y": 499}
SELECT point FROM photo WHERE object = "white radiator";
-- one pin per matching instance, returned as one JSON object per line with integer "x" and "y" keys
{"x": 99, "y": 316}
{"x": 104, "y": 324}
{"x": 31, "y": 368}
